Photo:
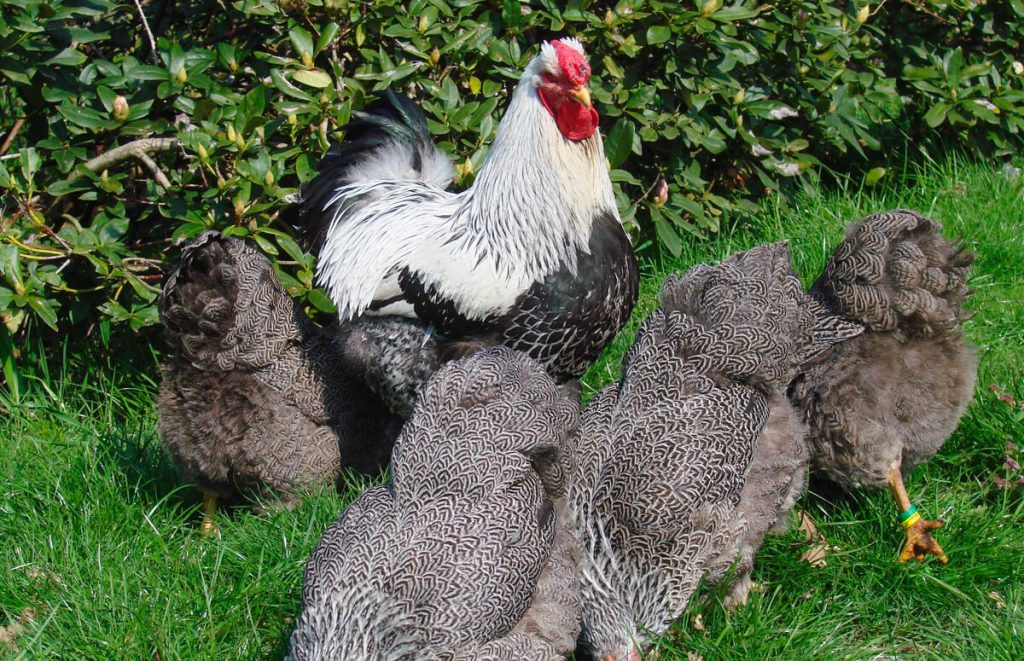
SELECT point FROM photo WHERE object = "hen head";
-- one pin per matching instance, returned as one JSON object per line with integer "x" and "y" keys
{"x": 561, "y": 74}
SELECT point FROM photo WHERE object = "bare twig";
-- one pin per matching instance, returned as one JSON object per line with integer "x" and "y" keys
{"x": 149, "y": 33}
{"x": 139, "y": 149}
{"x": 919, "y": 6}
{"x": 160, "y": 177}
{"x": 11, "y": 135}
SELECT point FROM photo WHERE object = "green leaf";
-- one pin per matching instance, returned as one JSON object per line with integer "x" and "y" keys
{"x": 919, "y": 73}
{"x": 301, "y": 40}
{"x": 107, "y": 96}
{"x": 29, "y": 163}
{"x": 937, "y": 114}
{"x": 619, "y": 142}
{"x": 667, "y": 234}
{"x": 692, "y": 207}
{"x": 982, "y": 109}
{"x": 735, "y": 14}
{"x": 658, "y": 34}
{"x": 952, "y": 63}
{"x": 283, "y": 84}
{"x": 10, "y": 265}
{"x": 145, "y": 72}
{"x": 328, "y": 34}
{"x": 623, "y": 177}
{"x": 253, "y": 103}
{"x": 312, "y": 77}
{"x": 873, "y": 176}
{"x": 69, "y": 57}
{"x": 289, "y": 245}
{"x": 44, "y": 309}
{"x": 84, "y": 117}
{"x": 12, "y": 376}
{"x": 320, "y": 301}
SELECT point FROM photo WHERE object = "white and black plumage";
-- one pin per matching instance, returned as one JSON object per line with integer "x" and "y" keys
{"x": 532, "y": 255}
{"x": 888, "y": 399}
{"x": 661, "y": 494}
{"x": 465, "y": 553}
{"x": 253, "y": 396}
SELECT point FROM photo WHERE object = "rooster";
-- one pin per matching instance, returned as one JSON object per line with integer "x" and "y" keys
{"x": 533, "y": 255}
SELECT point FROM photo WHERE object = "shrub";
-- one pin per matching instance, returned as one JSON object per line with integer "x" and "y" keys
{"x": 724, "y": 103}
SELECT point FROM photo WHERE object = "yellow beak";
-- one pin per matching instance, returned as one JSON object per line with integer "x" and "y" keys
{"x": 583, "y": 96}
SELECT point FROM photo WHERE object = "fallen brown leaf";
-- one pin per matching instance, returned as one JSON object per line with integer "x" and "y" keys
{"x": 815, "y": 555}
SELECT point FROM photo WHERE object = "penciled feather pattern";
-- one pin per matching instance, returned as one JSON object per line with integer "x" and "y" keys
{"x": 252, "y": 395}
{"x": 465, "y": 553}
{"x": 762, "y": 282}
{"x": 897, "y": 391}
{"x": 677, "y": 464}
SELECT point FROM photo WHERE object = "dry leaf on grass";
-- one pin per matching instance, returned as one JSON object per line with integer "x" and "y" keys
{"x": 815, "y": 555}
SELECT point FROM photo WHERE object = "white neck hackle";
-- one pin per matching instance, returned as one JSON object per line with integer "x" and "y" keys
{"x": 537, "y": 191}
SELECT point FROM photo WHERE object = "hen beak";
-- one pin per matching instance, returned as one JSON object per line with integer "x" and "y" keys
{"x": 582, "y": 95}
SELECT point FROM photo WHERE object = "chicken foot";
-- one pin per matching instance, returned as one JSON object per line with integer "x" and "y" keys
{"x": 919, "y": 540}
{"x": 209, "y": 509}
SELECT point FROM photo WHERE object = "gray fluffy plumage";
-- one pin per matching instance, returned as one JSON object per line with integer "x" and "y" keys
{"x": 897, "y": 391}
{"x": 464, "y": 554}
{"x": 253, "y": 395}
{"x": 661, "y": 494}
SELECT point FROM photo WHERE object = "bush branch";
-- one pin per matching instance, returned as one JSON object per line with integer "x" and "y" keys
{"x": 149, "y": 33}
{"x": 160, "y": 177}
{"x": 139, "y": 149}
{"x": 13, "y": 133}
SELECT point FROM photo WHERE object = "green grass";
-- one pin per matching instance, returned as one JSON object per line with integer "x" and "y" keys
{"x": 99, "y": 541}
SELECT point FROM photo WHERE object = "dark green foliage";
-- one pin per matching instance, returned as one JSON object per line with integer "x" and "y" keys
{"x": 726, "y": 103}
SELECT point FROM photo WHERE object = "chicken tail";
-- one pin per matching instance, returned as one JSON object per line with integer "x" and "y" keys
{"x": 388, "y": 140}
{"x": 484, "y": 408}
{"x": 754, "y": 321}
{"x": 896, "y": 272}
{"x": 222, "y": 306}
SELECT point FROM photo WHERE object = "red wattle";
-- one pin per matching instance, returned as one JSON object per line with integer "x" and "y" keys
{"x": 576, "y": 121}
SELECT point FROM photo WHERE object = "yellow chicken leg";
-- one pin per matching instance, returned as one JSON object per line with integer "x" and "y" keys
{"x": 919, "y": 540}
{"x": 209, "y": 509}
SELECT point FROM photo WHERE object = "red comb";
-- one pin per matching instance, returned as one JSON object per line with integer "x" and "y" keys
{"x": 573, "y": 65}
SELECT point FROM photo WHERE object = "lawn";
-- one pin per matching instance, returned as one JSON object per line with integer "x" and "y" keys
{"x": 101, "y": 557}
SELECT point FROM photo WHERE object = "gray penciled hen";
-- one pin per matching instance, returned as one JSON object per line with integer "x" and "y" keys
{"x": 661, "y": 495}
{"x": 888, "y": 399}
{"x": 808, "y": 331}
{"x": 465, "y": 552}
{"x": 253, "y": 396}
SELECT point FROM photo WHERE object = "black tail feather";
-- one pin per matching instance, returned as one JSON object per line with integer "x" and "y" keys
{"x": 390, "y": 120}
